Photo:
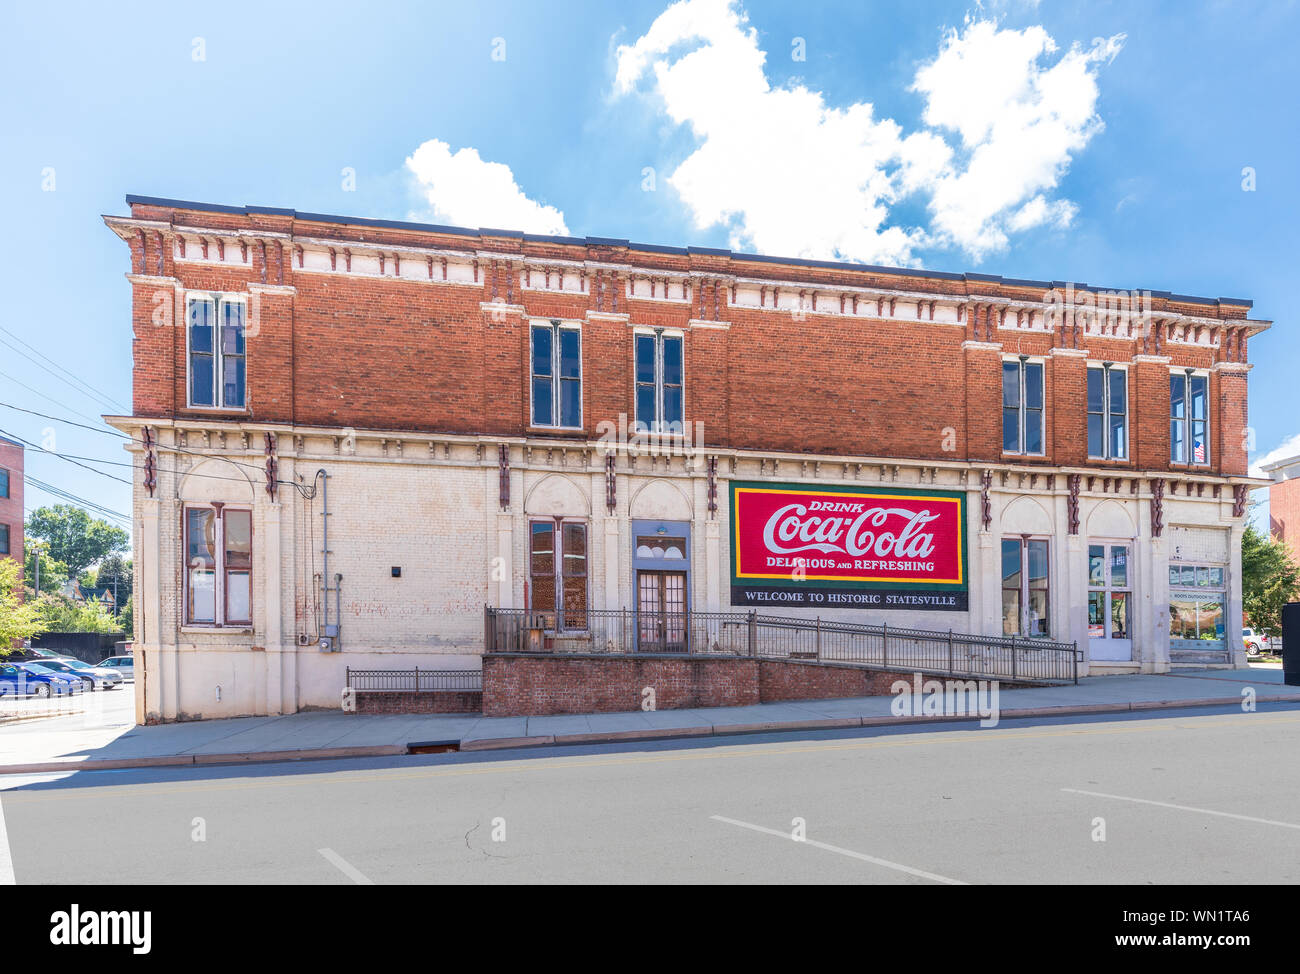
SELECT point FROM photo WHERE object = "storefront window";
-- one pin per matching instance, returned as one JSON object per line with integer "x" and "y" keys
{"x": 1196, "y": 601}
{"x": 1025, "y": 602}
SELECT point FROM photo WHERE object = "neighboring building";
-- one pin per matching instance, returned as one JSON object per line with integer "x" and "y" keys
{"x": 961, "y": 451}
{"x": 1284, "y": 503}
{"x": 11, "y": 501}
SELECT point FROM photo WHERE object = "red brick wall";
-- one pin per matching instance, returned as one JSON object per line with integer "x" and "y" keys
{"x": 530, "y": 685}
{"x": 1284, "y": 515}
{"x": 11, "y": 507}
{"x": 447, "y": 702}
{"x": 387, "y": 354}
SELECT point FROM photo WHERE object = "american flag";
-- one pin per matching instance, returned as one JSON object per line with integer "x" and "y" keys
{"x": 1198, "y": 452}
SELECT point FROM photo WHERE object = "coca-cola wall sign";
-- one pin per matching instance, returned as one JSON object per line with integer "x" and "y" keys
{"x": 848, "y": 547}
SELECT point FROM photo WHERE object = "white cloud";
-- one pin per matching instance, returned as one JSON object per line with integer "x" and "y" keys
{"x": 787, "y": 173}
{"x": 462, "y": 189}
{"x": 1019, "y": 125}
{"x": 1290, "y": 447}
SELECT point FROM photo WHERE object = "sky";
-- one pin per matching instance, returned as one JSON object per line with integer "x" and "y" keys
{"x": 1144, "y": 146}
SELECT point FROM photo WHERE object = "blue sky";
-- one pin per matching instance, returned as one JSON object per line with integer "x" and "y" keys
{"x": 1099, "y": 142}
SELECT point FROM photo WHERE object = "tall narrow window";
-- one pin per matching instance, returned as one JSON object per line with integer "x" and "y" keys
{"x": 216, "y": 350}
{"x": 4, "y": 482}
{"x": 219, "y": 566}
{"x": 659, "y": 382}
{"x": 1025, "y": 601}
{"x": 558, "y": 578}
{"x": 4, "y": 540}
{"x": 1109, "y": 591}
{"x": 556, "y": 375}
{"x": 1022, "y": 406}
{"x": 203, "y": 352}
{"x": 1107, "y": 412}
{"x": 1189, "y": 418}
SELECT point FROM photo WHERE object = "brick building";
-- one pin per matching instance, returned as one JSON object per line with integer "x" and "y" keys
{"x": 455, "y": 407}
{"x": 1284, "y": 503}
{"x": 11, "y": 500}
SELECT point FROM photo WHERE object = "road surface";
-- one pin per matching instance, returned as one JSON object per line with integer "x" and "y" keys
{"x": 1181, "y": 797}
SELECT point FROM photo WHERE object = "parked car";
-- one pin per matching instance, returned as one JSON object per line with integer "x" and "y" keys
{"x": 14, "y": 683}
{"x": 124, "y": 665}
{"x": 51, "y": 682}
{"x": 1255, "y": 642}
{"x": 95, "y": 678}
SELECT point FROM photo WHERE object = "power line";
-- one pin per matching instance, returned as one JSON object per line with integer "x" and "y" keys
{"x": 35, "y": 446}
{"x": 76, "y": 499}
{"x": 110, "y": 400}
{"x": 59, "y": 419}
{"x": 17, "y": 382}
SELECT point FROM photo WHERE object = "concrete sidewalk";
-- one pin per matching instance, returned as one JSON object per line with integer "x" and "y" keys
{"x": 79, "y": 742}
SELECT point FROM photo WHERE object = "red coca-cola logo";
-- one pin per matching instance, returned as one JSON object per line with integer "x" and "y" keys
{"x": 864, "y": 536}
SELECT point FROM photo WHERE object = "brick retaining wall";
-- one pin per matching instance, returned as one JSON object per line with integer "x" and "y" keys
{"x": 522, "y": 684}
{"x": 441, "y": 702}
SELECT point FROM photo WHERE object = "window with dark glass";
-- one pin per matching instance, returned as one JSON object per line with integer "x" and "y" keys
{"x": 659, "y": 382}
{"x": 556, "y": 375}
{"x": 219, "y": 566}
{"x": 217, "y": 354}
{"x": 1025, "y": 608}
{"x": 1189, "y": 418}
{"x": 1022, "y": 407}
{"x": 4, "y": 539}
{"x": 4, "y": 482}
{"x": 559, "y": 584}
{"x": 1107, "y": 412}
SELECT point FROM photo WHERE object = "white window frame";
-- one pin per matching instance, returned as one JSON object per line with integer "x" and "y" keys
{"x": 1022, "y": 410}
{"x": 657, "y": 424}
{"x": 219, "y": 300}
{"x": 1024, "y": 541}
{"x": 1105, "y": 368}
{"x": 1108, "y": 588}
{"x": 557, "y": 325}
{"x": 1189, "y": 459}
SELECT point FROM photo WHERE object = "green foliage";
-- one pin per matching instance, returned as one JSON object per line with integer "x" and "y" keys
{"x": 1269, "y": 580}
{"x": 119, "y": 569}
{"x": 19, "y": 620}
{"x": 61, "y": 614}
{"x": 75, "y": 538}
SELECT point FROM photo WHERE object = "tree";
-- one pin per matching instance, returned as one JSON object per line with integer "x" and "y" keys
{"x": 59, "y": 613}
{"x": 1269, "y": 579}
{"x": 75, "y": 538}
{"x": 19, "y": 620}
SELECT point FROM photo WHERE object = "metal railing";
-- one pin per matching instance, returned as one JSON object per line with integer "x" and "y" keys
{"x": 624, "y": 631}
{"x": 415, "y": 680}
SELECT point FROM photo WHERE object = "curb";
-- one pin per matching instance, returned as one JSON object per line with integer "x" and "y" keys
{"x": 191, "y": 760}
{"x": 611, "y": 737}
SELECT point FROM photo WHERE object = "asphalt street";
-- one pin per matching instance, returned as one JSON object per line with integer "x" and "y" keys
{"x": 1190, "y": 796}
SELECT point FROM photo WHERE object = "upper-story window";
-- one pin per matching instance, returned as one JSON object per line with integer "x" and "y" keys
{"x": 1022, "y": 406}
{"x": 557, "y": 375}
{"x": 659, "y": 381}
{"x": 4, "y": 482}
{"x": 4, "y": 539}
{"x": 1189, "y": 417}
{"x": 1107, "y": 412}
{"x": 216, "y": 351}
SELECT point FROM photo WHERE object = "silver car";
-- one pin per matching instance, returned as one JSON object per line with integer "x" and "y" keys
{"x": 101, "y": 677}
{"x": 125, "y": 665}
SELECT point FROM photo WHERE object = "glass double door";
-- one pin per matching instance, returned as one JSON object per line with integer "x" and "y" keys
{"x": 1110, "y": 602}
{"x": 661, "y": 611}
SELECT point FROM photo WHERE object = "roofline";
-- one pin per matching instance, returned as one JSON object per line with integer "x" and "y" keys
{"x": 360, "y": 221}
{"x": 1278, "y": 464}
{"x": 5, "y": 439}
